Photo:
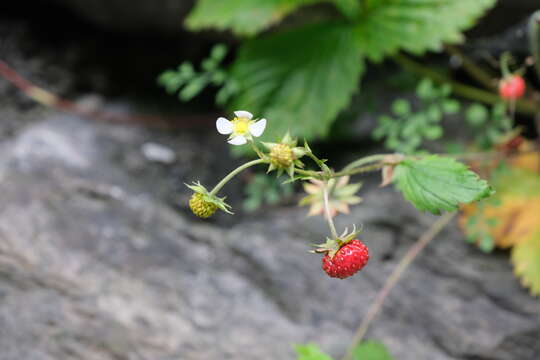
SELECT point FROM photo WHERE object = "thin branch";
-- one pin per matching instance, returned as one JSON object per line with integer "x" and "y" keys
{"x": 56, "y": 102}
{"x": 480, "y": 74}
{"x": 327, "y": 212}
{"x": 393, "y": 279}
{"x": 523, "y": 106}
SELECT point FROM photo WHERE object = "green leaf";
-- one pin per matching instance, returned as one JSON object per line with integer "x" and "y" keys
{"x": 297, "y": 84}
{"x": 434, "y": 113}
{"x": 401, "y": 107}
{"x": 433, "y": 132}
{"x": 436, "y": 183}
{"x": 310, "y": 352}
{"x": 371, "y": 350}
{"x": 415, "y": 25}
{"x": 243, "y": 17}
{"x": 476, "y": 114}
{"x": 526, "y": 260}
{"x": 193, "y": 88}
{"x": 349, "y": 8}
{"x": 451, "y": 106}
{"x": 425, "y": 89}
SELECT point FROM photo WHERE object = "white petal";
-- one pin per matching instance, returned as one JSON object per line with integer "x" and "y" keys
{"x": 238, "y": 140}
{"x": 256, "y": 129}
{"x": 243, "y": 114}
{"x": 224, "y": 126}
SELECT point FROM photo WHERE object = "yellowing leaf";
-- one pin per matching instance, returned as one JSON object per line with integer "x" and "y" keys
{"x": 526, "y": 260}
{"x": 511, "y": 218}
{"x": 516, "y": 218}
{"x": 528, "y": 160}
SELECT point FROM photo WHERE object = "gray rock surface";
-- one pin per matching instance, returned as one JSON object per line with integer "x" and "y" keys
{"x": 98, "y": 261}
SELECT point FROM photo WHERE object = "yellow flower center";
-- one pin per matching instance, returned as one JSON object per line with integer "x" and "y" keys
{"x": 240, "y": 126}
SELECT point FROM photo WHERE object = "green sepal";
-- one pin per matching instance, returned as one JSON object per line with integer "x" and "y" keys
{"x": 332, "y": 246}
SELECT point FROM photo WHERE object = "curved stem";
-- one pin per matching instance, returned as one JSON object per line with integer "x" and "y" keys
{"x": 360, "y": 170}
{"x": 234, "y": 173}
{"x": 505, "y": 67}
{"x": 523, "y": 106}
{"x": 393, "y": 279}
{"x": 364, "y": 160}
{"x": 322, "y": 176}
{"x": 483, "y": 76}
{"x": 327, "y": 212}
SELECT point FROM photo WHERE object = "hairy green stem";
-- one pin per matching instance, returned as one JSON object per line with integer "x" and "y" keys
{"x": 505, "y": 64}
{"x": 322, "y": 176}
{"x": 234, "y": 173}
{"x": 523, "y": 106}
{"x": 393, "y": 279}
{"x": 534, "y": 40}
{"x": 327, "y": 212}
{"x": 364, "y": 160}
{"x": 360, "y": 170}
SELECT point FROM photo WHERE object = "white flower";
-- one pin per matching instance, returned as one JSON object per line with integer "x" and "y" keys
{"x": 241, "y": 128}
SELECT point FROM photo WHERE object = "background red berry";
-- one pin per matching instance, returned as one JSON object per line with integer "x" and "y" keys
{"x": 512, "y": 87}
{"x": 350, "y": 258}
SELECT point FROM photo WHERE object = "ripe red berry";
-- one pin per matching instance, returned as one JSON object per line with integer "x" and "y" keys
{"x": 512, "y": 87}
{"x": 350, "y": 258}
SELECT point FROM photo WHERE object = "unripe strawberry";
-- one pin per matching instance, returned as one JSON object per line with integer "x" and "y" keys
{"x": 512, "y": 87}
{"x": 281, "y": 156}
{"x": 201, "y": 207}
{"x": 349, "y": 259}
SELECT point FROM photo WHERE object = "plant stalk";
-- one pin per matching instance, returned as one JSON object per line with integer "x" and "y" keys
{"x": 523, "y": 106}
{"x": 234, "y": 173}
{"x": 327, "y": 212}
{"x": 393, "y": 279}
{"x": 480, "y": 74}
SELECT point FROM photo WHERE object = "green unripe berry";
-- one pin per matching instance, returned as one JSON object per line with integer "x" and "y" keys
{"x": 200, "y": 207}
{"x": 281, "y": 156}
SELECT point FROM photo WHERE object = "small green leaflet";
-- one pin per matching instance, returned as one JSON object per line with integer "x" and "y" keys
{"x": 310, "y": 352}
{"x": 387, "y": 26}
{"x": 371, "y": 350}
{"x": 435, "y": 183}
{"x": 300, "y": 79}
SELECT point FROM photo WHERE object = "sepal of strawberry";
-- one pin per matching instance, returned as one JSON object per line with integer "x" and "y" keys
{"x": 203, "y": 203}
{"x": 332, "y": 246}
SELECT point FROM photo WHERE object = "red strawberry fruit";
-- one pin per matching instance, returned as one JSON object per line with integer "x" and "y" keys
{"x": 512, "y": 87}
{"x": 349, "y": 259}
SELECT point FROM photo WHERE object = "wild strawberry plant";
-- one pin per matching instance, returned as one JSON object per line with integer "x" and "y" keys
{"x": 430, "y": 182}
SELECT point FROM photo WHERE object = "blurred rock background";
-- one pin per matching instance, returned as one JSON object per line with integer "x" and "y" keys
{"x": 100, "y": 259}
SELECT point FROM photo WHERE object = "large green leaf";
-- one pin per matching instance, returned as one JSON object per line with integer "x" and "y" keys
{"x": 387, "y": 26}
{"x": 243, "y": 17}
{"x": 299, "y": 80}
{"x": 436, "y": 183}
{"x": 371, "y": 350}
